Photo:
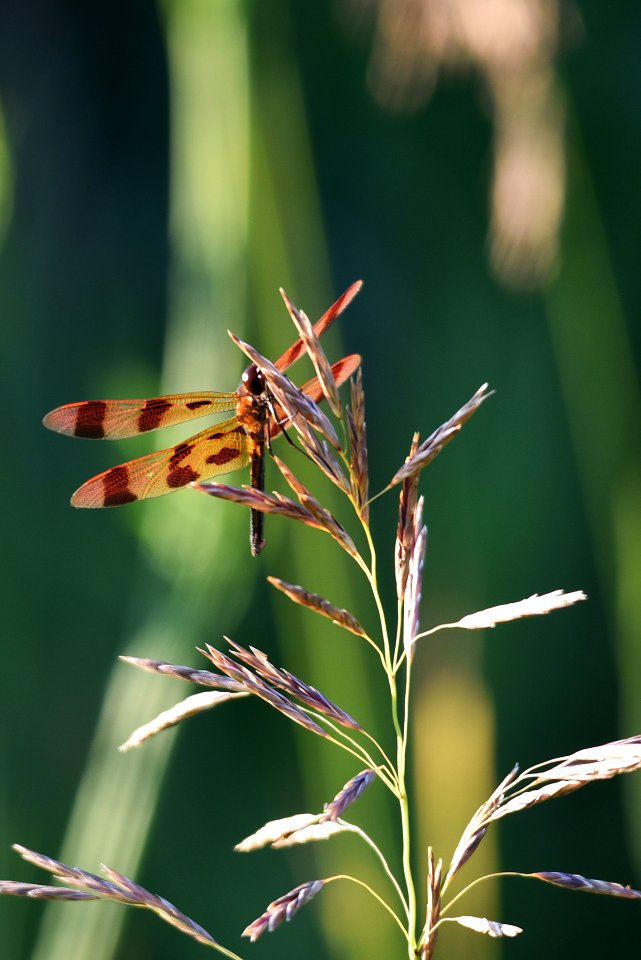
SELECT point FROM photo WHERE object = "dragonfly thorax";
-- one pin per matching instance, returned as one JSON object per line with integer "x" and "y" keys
{"x": 253, "y": 380}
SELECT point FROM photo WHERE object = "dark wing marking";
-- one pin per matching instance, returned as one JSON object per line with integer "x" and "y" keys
{"x": 219, "y": 449}
{"x": 115, "y": 419}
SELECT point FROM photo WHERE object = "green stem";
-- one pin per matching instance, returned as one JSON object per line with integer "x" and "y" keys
{"x": 361, "y": 883}
{"x": 401, "y": 747}
{"x": 378, "y": 495}
{"x": 363, "y": 758}
{"x": 386, "y": 773}
{"x": 368, "y": 840}
{"x": 225, "y": 952}
{"x": 474, "y": 883}
{"x": 397, "y": 643}
{"x": 372, "y": 577}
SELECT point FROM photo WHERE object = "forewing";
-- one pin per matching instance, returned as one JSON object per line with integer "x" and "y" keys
{"x": 116, "y": 419}
{"x": 297, "y": 349}
{"x": 219, "y": 449}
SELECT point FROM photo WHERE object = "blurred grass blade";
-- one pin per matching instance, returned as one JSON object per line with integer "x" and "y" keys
{"x": 117, "y": 796}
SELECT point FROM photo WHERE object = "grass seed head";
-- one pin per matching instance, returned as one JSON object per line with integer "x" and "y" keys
{"x": 284, "y": 908}
{"x": 430, "y": 448}
{"x": 357, "y": 431}
{"x": 115, "y": 886}
{"x": 405, "y": 530}
{"x": 256, "y": 685}
{"x": 343, "y": 618}
{"x": 573, "y": 881}
{"x": 204, "y": 678}
{"x": 348, "y": 794}
{"x": 257, "y": 661}
{"x": 316, "y": 354}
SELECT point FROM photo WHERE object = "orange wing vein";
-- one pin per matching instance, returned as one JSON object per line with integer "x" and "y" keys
{"x": 116, "y": 419}
{"x": 219, "y": 449}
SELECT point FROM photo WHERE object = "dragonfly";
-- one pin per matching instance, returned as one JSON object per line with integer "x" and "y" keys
{"x": 219, "y": 449}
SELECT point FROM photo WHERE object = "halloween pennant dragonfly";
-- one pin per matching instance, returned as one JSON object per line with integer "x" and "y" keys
{"x": 219, "y": 449}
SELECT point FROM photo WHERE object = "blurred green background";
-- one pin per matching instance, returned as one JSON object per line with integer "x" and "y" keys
{"x": 164, "y": 168}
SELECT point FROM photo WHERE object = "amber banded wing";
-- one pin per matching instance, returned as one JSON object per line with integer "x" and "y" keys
{"x": 116, "y": 419}
{"x": 219, "y": 449}
{"x": 298, "y": 349}
{"x": 342, "y": 370}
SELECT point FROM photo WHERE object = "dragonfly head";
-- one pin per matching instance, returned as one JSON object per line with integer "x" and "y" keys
{"x": 253, "y": 380}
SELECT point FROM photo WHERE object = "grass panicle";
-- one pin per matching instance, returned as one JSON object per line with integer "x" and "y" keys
{"x": 414, "y": 585}
{"x": 322, "y": 830}
{"x": 293, "y": 402}
{"x": 533, "y": 606}
{"x": 204, "y": 678}
{"x": 291, "y": 831}
{"x": 433, "y": 910}
{"x": 411, "y": 891}
{"x": 405, "y": 530}
{"x": 324, "y": 519}
{"x": 357, "y": 432}
{"x": 348, "y": 795}
{"x": 316, "y": 354}
{"x": 257, "y": 686}
{"x": 311, "y": 514}
{"x": 275, "y": 830}
{"x": 284, "y": 908}
{"x": 492, "y": 928}
{"x": 115, "y": 886}
{"x": 257, "y": 661}
{"x": 430, "y": 448}
{"x": 477, "y": 827}
{"x": 189, "y": 707}
{"x": 572, "y": 881}
{"x": 341, "y": 303}
{"x": 342, "y": 618}
{"x": 40, "y": 891}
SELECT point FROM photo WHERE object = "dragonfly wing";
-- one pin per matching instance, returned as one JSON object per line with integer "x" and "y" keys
{"x": 342, "y": 370}
{"x": 297, "y": 349}
{"x": 115, "y": 419}
{"x": 219, "y": 449}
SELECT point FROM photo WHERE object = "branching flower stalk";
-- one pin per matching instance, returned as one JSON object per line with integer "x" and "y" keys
{"x": 241, "y": 672}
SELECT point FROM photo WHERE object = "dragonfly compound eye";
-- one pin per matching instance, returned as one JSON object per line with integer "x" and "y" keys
{"x": 254, "y": 380}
